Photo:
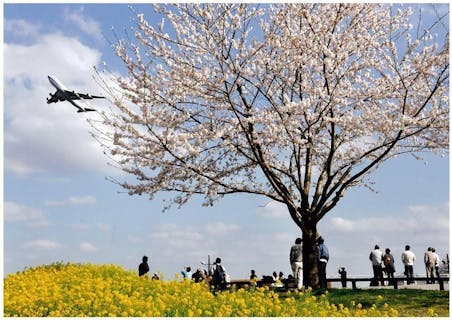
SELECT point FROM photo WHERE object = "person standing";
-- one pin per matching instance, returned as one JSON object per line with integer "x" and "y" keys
{"x": 199, "y": 276}
{"x": 437, "y": 262}
{"x": 143, "y": 268}
{"x": 219, "y": 275}
{"x": 186, "y": 273}
{"x": 343, "y": 274}
{"x": 388, "y": 261}
{"x": 430, "y": 262}
{"x": 253, "y": 276}
{"x": 408, "y": 259}
{"x": 296, "y": 262}
{"x": 323, "y": 260}
{"x": 376, "y": 256}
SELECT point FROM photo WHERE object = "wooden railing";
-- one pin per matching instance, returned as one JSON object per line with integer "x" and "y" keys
{"x": 289, "y": 283}
{"x": 393, "y": 281}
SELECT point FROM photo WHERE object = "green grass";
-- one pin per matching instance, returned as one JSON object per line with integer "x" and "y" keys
{"x": 408, "y": 302}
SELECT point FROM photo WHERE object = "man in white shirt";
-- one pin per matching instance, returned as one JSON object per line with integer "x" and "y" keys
{"x": 408, "y": 258}
{"x": 296, "y": 262}
{"x": 437, "y": 262}
{"x": 430, "y": 263}
{"x": 376, "y": 256}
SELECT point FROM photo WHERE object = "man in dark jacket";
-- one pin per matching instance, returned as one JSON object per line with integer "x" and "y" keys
{"x": 143, "y": 268}
{"x": 323, "y": 260}
{"x": 219, "y": 275}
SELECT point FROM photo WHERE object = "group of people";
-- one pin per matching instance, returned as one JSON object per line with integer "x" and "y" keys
{"x": 143, "y": 269}
{"x": 385, "y": 263}
{"x": 431, "y": 261}
{"x": 381, "y": 262}
{"x": 296, "y": 261}
{"x": 216, "y": 278}
{"x": 277, "y": 280}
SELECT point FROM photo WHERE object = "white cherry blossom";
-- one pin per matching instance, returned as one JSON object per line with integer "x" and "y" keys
{"x": 294, "y": 102}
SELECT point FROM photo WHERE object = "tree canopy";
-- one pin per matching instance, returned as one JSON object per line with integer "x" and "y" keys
{"x": 294, "y": 102}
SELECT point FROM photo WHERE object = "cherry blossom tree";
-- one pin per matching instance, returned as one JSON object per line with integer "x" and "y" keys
{"x": 296, "y": 103}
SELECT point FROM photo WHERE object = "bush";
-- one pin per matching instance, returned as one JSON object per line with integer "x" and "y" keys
{"x": 74, "y": 290}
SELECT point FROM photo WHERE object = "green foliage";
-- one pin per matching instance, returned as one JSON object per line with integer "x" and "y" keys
{"x": 408, "y": 302}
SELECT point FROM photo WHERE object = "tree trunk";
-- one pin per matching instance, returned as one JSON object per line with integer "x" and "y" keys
{"x": 310, "y": 253}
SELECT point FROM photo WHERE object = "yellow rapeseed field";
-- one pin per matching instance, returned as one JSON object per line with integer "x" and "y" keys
{"x": 74, "y": 290}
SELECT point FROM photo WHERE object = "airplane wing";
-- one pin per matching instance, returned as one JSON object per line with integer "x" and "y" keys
{"x": 56, "y": 97}
{"x": 77, "y": 96}
{"x": 80, "y": 109}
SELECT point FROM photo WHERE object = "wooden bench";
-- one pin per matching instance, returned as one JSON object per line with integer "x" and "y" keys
{"x": 241, "y": 283}
{"x": 244, "y": 283}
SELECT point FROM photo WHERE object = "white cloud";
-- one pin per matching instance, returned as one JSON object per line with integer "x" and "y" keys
{"x": 87, "y": 247}
{"x": 363, "y": 224}
{"x": 42, "y": 245}
{"x": 422, "y": 217}
{"x": 431, "y": 217}
{"x": 220, "y": 228}
{"x": 86, "y": 24}
{"x": 283, "y": 237}
{"x": 40, "y": 224}
{"x": 420, "y": 226}
{"x": 17, "y": 212}
{"x": 273, "y": 209}
{"x": 39, "y": 137}
{"x": 74, "y": 201}
{"x": 177, "y": 236}
{"x": 342, "y": 224}
{"x": 20, "y": 28}
{"x": 82, "y": 201}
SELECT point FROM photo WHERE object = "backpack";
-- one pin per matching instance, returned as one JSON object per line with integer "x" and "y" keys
{"x": 219, "y": 276}
{"x": 387, "y": 260}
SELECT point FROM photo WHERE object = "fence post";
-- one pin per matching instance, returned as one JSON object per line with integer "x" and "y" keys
{"x": 441, "y": 284}
{"x": 395, "y": 283}
{"x": 354, "y": 284}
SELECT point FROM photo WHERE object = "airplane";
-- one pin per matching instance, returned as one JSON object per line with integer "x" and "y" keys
{"x": 63, "y": 94}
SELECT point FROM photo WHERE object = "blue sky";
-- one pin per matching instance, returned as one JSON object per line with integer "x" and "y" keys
{"x": 58, "y": 206}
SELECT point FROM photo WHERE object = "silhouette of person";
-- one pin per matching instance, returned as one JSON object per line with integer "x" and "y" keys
{"x": 253, "y": 276}
{"x": 143, "y": 268}
{"x": 199, "y": 275}
{"x": 343, "y": 274}
{"x": 219, "y": 275}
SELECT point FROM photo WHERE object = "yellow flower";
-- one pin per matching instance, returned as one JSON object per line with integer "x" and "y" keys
{"x": 108, "y": 291}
